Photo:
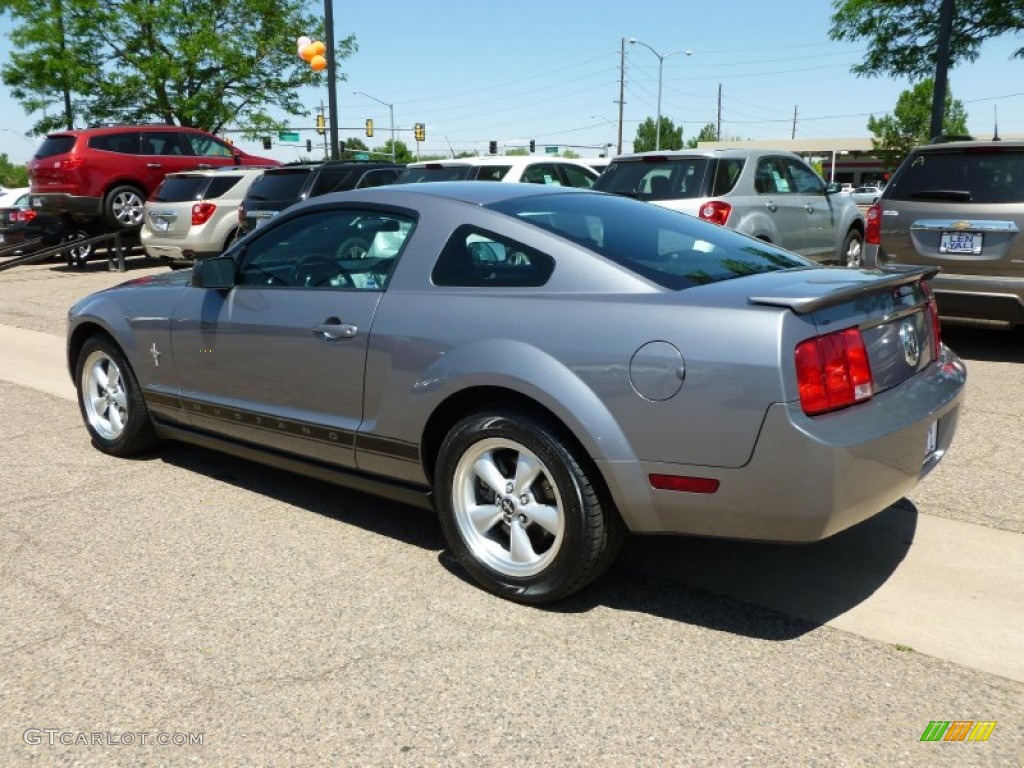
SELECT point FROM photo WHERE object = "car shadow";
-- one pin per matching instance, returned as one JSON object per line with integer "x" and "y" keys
{"x": 995, "y": 344}
{"x": 767, "y": 591}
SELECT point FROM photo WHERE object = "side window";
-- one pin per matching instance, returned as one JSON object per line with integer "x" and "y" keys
{"x": 378, "y": 178}
{"x": 204, "y": 146}
{"x": 491, "y": 172}
{"x": 726, "y": 174}
{"x": 162, "y": 143}
{"x": 477, "y": 258}
{"x": 771, "y": 176}
{"x": 340, "y": 249}
{"x": 577, "y": 177}
{"x": 122, "y": 143}
{"x": 219, "y": 185}
{"x": 541, "y": 173}
{"x": 805, "y": 181}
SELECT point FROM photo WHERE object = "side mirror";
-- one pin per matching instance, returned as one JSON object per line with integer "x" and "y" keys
{"x": 833, "y": 188}
{"x": 237, "y": 155}
{"x": 217, "y": 273}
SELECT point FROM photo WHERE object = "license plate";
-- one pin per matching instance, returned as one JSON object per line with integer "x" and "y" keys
{"x": 159, "y": 224}
{"x": 262, "y": 217}
{"x": 932, "y": 439}
{"x": 960, "y": 242}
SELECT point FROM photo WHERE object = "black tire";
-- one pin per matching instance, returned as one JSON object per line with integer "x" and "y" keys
{"x": 537, "y": 543}
{"x": 853, "y": 249}
{"x": 110, "y": 400}
{"x": 78, "y": 255}
{"x": 123, "y": 207}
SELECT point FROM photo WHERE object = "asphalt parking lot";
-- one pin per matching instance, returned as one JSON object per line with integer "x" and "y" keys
{"x": 280, "y": 621}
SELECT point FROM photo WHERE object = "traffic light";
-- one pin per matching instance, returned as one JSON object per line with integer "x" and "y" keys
{"x": 266, "y": 142}
{"x": 369, "y": 127}
{"x": 341, "y": 148}
{"x": 420, "y": 131}
{"x": 533, "y": 146}
{"x": 320, "y": 124}
{"x": 309, "y": 145}
{"x": 494, "y": 147}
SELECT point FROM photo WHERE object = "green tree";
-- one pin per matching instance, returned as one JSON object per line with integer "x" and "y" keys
{"x": 12, "y": 175}
{"x": 645, "y": 139}
{"x": 201, "y": 63}
{"x": 894, "y": 135}
{"x": 352, "y": 146}
{"x": 902, "y": 34}
{"x": 517, "y": 151}
{"x": 570, "y": 154}
{"x": 402, "y": 152}
{"x": 708, "y": 133}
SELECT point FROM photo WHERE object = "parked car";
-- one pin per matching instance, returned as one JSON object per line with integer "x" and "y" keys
{"x": 550, "y": 367}
{"x": 529, "y": 169}
{"x": 194, "y": 214}
{"x": 104, "y": 174}
{"x": 14, "y": 208}
{"x": 771, "y": 195}
{"x": 865, "y": 195}
{"x": 289, "y": 184}
{"x": 958, "y": 206}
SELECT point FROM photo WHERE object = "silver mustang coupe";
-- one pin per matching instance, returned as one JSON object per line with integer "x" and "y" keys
{"x": 547, "y": 368}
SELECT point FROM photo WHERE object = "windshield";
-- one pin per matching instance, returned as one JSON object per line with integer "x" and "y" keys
{"x": 669, "y": 248}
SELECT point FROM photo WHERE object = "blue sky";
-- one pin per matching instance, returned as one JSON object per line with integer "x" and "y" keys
{"x": 549, "y": 71}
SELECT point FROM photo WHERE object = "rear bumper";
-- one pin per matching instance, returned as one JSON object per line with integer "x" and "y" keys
{"x": 808, "y": 478}
{"x": 61, "y": 202}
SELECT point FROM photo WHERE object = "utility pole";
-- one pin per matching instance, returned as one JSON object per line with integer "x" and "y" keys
{"x": 622, "y": 89}
{"x": 718, "y": 123}
{"x": 793, "y": 134}
{"x": 332, "y": 77}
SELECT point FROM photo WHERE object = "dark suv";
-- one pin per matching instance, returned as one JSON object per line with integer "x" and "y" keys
{"x": 280, "y": 187}
{"x": 958, "y": 206}
{"x": 106, "y": 173}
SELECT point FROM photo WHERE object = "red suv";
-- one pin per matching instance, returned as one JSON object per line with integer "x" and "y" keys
{"x": 108, "y": 172}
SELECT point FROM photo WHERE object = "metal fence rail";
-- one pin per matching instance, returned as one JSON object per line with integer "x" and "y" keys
{"x": 115, "y": 254}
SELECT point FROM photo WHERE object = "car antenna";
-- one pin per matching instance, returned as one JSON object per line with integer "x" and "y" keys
{"x": 450, "y": 147}
{"x": 995, "y": 119}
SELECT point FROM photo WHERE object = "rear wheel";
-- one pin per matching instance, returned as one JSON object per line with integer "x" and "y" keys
{"x": 853, "y": 249}
{"x": 76, "y": 255}
{"x": 110, "y": 400}
{"x": 123, "y": 207}
{"x": 520, "y": 511}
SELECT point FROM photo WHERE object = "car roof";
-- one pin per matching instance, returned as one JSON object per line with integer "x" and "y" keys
{"x": 951, "y": 146}
{"x": 512, "y": 160}
{"x": 473, "y": 192}
{"x": 686, "y": 153}
{"x": 346, "y": 165}
{"x": 115, "y": 128}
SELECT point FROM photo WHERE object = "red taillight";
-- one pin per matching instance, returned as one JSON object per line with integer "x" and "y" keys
{"x": 71, "y": 163}
{"x": 241, "y": 215}
{"x": 684, "y": 483}
{"x": 25, "y": 216}
{"x": 932, "y": 308}
{"x": 873, "y": 230}
{"x": 833, "y": 371}
{"x": 201, "y": 212}
{"x": 716, "y": 212}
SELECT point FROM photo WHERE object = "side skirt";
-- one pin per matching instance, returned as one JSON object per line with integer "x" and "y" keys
{"x": 406, "y": 494}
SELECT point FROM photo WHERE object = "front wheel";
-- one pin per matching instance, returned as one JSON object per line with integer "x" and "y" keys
{"x": 110, "y": 400}
{"x": 853, "y": 249}
{"x": 520, "y": 510}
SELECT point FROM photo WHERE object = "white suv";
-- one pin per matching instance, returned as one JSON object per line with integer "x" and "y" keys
{"x": 530, "y": 169}
{"x": 771, "y": 195}
{"x": 194, "y": 214}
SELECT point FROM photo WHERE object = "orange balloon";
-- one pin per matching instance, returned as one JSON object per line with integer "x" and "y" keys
{"x": 319, "y": 49}
{"x": 318, "y": 63}
{"x": 306, "y": 52}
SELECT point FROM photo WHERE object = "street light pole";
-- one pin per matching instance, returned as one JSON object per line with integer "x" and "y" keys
{"x": 661, "y": 65}
{"x": 391, "y": 110}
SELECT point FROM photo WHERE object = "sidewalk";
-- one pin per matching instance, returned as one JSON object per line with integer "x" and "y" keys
{"x": 958, "y": 594}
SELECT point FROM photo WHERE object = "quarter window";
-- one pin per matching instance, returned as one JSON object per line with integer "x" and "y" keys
{"x": 477, "y": 258}
{"x": 205, "y": 146}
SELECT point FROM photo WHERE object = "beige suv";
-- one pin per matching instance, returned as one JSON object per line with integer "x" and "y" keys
{"x": 194, "y": 214}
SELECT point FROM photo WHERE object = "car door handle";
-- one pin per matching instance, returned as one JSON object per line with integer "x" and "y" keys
{"x": 771, "y": 206}
{"x": 153, "y": 165}
{"x": 332, "y": 329}
{"x": 809, "y": 208}
{"x": 204, "y": 166}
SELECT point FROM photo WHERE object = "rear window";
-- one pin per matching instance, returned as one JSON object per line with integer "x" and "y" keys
{"x": 177, "y": 189}
{"x": 283, "y": 185}
{"x": 56, "y": 145}
{"x": 434, "y": 173}
{"x": 668, "y": 248}
{"x": 975, "y": 176}
{"x": 656, "y": 178}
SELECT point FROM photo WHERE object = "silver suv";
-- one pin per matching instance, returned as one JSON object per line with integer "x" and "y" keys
{"x": 194, "y": 214}
{"x": 768, "y": 194}
{"x": 958, "y": 206}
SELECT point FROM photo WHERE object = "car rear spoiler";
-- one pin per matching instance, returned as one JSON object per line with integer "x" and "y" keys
{"x": 847, "y": 290}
